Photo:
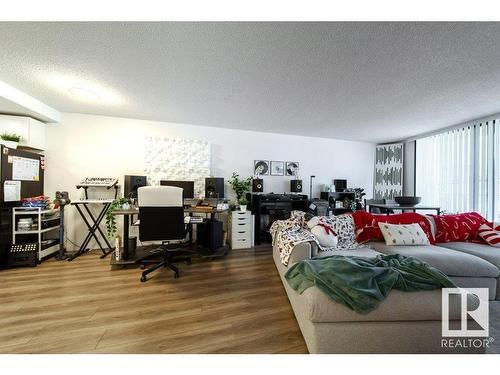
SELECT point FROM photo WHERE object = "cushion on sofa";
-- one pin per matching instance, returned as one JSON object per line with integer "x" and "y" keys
{"x": 343, "y": 227}
{"x": 323, "y": 233}
{"x": 398, "y": 306}
{"x": 489, "y": 235}
{"x": 481, "y": 250}
{"x": 367, "y": 228}
{"x": 361, "y": 252}
{"x": 460, "y": 227}
{"x": 403, "y": 234}
{"x": 451, "y": 262}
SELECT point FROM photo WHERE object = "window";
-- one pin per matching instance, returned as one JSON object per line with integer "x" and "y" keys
{"x": 456, "y": 169}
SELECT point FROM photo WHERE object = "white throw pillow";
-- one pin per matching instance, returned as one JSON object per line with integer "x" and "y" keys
{"x": 313, "y": 222}
{"x": 325, "y": 239}
{"x": 403, "y": 234}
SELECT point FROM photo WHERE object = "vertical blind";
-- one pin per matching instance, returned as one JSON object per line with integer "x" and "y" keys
{"x": 456, "y": 169}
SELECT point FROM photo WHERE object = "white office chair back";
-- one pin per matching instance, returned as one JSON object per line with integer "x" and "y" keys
{"x": 160, "y": 196}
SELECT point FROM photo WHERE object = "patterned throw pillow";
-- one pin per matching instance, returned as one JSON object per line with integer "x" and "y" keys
{"x": 406, "y": 234}
{"x": 489, "y": 235}
{"x": 343, "y": 226}
{"x": 367, "y": 228}
{"x": 460, "y": 227}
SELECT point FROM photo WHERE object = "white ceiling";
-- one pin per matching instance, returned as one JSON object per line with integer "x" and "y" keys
{"x": 362, "y": 81}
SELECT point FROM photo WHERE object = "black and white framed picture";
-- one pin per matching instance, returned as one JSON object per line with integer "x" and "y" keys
{"x": 292, "y": 168}
{"x": 260, "y": 168}
{"x": 277, "y": 168}
{"x": 388, "y": 171}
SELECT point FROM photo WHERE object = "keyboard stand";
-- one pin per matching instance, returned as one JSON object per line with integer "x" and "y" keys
{"x": 92, "y": 223}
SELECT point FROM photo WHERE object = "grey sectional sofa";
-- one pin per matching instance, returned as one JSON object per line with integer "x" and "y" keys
{"x": 403, "y": 323}
{"x": 466, "y": 269}
{"x": 479, "y": 250}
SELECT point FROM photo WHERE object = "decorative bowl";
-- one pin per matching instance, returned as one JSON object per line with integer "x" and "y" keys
{"x": 407, "y": 201}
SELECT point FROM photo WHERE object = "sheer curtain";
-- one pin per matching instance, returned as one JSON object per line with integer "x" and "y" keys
{"x": 456, "y": 169}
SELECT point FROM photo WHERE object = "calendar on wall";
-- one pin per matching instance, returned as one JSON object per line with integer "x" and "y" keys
{"x": 177, "y": 159}
{"x": 388, "y": 171}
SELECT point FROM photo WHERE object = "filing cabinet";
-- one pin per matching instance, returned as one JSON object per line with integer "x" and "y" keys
{"x": 241, "y": 229}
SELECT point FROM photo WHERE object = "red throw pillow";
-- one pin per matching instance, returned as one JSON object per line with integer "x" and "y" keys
{"x": 460, "y": 227}
{"x": 367, "y": 224}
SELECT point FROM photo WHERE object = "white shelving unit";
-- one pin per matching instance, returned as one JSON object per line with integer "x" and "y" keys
{"x": 39, "y": 216}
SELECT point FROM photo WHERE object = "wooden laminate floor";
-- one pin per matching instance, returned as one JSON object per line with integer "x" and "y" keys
{"x": 231, "y": 305}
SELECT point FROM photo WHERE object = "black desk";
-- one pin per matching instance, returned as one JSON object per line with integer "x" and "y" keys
{"x": 208, "y": 253}
{"x": 388, "y": 207}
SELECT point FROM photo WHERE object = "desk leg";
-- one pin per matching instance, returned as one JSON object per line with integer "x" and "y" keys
{"x": 190, "y": 230}
{"x": 126, "y": 224}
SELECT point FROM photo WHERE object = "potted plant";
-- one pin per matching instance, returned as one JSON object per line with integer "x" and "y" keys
{"x": 10, "y": 140}
{"x": 243, "y": 204}
{"x": 240, "y": 187}
{"x": 111, "y": 219}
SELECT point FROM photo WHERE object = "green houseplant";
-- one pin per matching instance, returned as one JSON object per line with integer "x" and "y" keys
{"x": 10, "y": 139}
{"x": 240, "y": 187}
{"x": 243, "y": 204}
{"x": 111, "y": 219}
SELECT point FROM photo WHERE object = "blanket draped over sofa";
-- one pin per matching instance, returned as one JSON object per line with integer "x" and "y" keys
{"x": 361, "y": 283}
{"x": 288, "y": 233}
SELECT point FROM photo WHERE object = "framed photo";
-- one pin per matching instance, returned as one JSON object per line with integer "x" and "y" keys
{"x": 260, "y": 167}
{"x": 277, "y": 168}
{"x": 292, "y": 168}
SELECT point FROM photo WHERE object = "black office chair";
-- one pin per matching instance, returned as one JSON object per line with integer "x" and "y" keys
{"x": 161, "y": 218}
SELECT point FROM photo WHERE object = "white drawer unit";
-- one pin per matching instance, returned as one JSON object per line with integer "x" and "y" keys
{"x": 241, "y": 230}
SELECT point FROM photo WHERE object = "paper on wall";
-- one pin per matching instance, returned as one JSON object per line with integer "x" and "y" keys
{"x": 11, "y": 191}
{"x": 25, "y": 169}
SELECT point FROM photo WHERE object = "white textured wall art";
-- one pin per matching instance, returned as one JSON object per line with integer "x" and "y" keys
{"x": 388, "y": 171}
{"x": 177, "y": 159}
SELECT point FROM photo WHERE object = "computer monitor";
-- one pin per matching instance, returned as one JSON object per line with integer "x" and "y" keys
{"x": 188, "y": 186}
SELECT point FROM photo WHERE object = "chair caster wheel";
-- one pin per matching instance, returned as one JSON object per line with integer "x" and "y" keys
{"x": 143, "y": 279}
{"x": 176, "y": 275}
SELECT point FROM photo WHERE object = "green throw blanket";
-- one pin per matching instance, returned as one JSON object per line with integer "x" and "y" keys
{"x": 361, "y": 283}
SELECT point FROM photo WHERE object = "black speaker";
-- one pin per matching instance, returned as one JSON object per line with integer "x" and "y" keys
{"x": 257, "y": 185}
{"x": 340, "y": 185}
{"x": 210, "y": 235}
{"x": 131, "y": 184}
{"x": 214, "y": 187}
{"x": 296, "y": 186}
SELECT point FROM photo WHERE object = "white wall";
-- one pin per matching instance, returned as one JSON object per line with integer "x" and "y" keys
{"x": 97, "y": 146}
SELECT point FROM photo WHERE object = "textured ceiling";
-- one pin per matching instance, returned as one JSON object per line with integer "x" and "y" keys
{"x": 362, "y": 81}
